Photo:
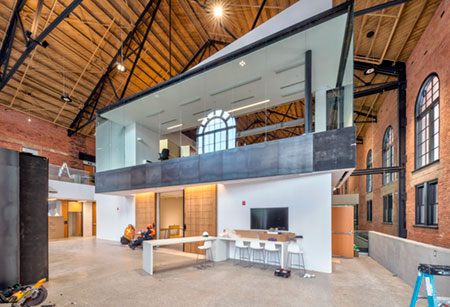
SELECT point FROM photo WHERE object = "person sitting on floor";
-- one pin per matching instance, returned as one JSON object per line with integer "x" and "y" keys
{"x": 147, "y": 235}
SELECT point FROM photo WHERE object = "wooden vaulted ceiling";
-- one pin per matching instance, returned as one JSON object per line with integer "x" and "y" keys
{"x": 389, "y": 34}
{"x": 83, "y": 45}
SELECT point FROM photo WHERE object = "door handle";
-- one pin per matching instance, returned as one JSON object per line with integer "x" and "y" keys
{"x": 342, "y": 233}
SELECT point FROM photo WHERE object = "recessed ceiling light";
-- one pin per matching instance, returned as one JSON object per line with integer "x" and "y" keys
{"x": 66, "y": 98}
{"x": 242, "y": 63}
{"x": 218, "y": 11}
{"x": 173, "y": 127}
{"x": 29, "y": 120}
{"x": 369, "y": 71}
{"x": 249, "y": 106}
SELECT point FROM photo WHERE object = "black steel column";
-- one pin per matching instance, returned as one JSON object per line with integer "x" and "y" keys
{"x": 402, "y": 149}
{"x": 308, "y": 92}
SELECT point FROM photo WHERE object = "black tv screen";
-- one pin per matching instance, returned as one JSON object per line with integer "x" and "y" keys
{"x": 265, "y": 218}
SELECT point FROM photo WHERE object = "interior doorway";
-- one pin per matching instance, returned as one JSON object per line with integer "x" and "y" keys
{"x": 171, "y": 216}
{"x": 75, "y": 219}
{"x": 94, "y": 219}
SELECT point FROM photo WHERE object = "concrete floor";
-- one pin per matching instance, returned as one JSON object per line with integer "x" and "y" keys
{"x": 90, "y": 272}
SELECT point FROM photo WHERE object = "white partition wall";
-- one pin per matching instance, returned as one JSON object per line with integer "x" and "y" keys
{"x": 114, "y": 213}
{"x": 309, "y": 202}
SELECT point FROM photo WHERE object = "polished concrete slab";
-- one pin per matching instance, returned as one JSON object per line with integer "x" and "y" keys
{"x": 90, "y": 272}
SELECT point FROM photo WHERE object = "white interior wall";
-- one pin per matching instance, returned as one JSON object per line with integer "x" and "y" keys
{"x": 309, "y": 202}
{"x": 114, "y": 213}
{"x": 171, "y": 211}
{"x": 71, "y": 191}
{"x": 87, "y": 219}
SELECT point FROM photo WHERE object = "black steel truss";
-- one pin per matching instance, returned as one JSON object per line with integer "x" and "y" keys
{"x": 259, "y": 14}
{"x": 380, "y": 88}
{"x": 198, "y": 56}
{"x": 32, "y": 40}
{"x": 380, "y": 7}
{"x": 131, "y": 46}
{"x": 375, "y": 171}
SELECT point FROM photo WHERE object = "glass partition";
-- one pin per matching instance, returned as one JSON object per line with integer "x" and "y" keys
{"x": 253, "y": 98}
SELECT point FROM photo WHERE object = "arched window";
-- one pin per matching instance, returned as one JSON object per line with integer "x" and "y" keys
{"x": 369, "y": 178}
{"x": 217, "y": 132}
{"x": 388, "y": 154}
{"x": 427, "y": 122}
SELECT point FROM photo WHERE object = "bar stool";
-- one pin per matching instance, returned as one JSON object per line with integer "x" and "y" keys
{"x": 207, "y": 248}
{"x": 257, "y": 249}
{"x": 294, "y": 250}
{"x": 240, "y": 245}
{"x": 270, "y": 249}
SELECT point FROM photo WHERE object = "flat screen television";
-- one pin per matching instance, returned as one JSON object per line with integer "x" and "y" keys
{"x": 265, "y": 218}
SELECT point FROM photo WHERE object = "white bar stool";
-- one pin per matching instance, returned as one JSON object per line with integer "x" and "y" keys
{"x": 294, "y": 250}
{"x": 257, "y": 250}
{"x": 240, "y": 245}
{"x": 207, "y": 248}
{"x": 271, "y": 249}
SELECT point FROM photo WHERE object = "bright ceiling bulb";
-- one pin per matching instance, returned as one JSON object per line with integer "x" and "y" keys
{"x": 120, "y": 67}
{"x": 218, "y": 11}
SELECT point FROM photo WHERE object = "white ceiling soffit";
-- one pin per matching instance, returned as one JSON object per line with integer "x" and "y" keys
{"x": 273, "y": 74}
{"x": 296, "y": 13}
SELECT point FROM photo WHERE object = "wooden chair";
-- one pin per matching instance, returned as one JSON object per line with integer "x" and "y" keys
{"x": 174, "y": 231}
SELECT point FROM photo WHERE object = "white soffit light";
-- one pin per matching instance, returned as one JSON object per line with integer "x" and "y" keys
{"x": 249, "y": 106}
{"x": 173, "y": 127}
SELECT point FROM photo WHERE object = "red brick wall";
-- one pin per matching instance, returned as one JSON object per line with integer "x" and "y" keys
{"x": 373, "y": 139}
{"x": 50, "y": 140}
{"x": 431, "y": 55}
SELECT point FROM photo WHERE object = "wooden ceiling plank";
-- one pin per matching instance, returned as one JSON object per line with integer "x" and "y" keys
{"x": 31, "y": 58}
{"x": 85, "y": 68}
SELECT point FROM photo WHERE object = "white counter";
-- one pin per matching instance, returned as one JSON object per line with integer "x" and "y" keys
{"x": 222, "y": 248}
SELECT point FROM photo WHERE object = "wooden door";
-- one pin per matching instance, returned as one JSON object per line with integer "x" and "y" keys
{"x": 342, "y": 231}
{"x": 94, "y": 218}
{"x": 200, "y": 214}
{"x": 64, "y": 211}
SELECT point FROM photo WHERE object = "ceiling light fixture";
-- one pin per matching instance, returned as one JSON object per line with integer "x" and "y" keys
{"x": 218, "y": 11}
{"x": 249, "y": 106}
{"x": 173, "y": 127}
{"x": 29, "y": 120}
{"x": 120, "y": 67}
{"x": 242, "y": 63}
{"x": 369, "y": 71}
{"x": 66, "y": 98}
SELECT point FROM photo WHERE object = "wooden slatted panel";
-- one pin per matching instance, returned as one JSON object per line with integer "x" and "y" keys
{"x": 200, "y": 213}
{"x": 145, "y": 206}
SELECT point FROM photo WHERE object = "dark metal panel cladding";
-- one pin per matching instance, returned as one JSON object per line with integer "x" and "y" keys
{"x": 33, "y": 218}
{"x": 211, "y": 167}
{"x": 235, "y": 163}
{"x": 322, "y": 151}
{"x": 9, "y": 218}
{"x": 334, "y": 149}
{"x": 263, "y": 159}
{"x": 295, "y": 155}
{"x": 189, "y": 169}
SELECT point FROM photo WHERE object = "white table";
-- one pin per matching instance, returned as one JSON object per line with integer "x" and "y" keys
{"x": 223, "y": 251}
{"x": 147, "y": 255}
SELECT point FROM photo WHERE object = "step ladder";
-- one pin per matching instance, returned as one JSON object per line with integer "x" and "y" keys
{"x": 428, "y": 271}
